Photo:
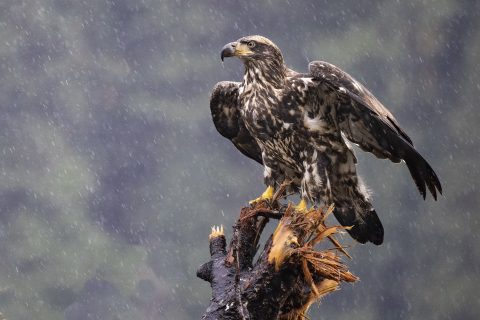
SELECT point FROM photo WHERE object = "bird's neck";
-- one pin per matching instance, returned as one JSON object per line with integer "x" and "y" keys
{"x": 266, "y": 73}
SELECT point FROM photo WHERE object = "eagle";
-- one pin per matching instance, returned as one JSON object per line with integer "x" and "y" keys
{"x": 299, "y": 126}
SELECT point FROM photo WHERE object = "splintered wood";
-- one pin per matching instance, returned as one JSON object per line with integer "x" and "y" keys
{"x": 287, "y": 276}
{"x": 294, "y": 242}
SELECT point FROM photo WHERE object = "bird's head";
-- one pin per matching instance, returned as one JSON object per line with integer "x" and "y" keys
{"x": 252, "y": 48}
{"x": 256, "y": 52}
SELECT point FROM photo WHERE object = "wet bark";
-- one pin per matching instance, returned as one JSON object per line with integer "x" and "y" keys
{"x": 244, "y": 288}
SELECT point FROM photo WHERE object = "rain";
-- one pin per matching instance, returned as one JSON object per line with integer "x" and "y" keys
{"x": 112, "y": 172}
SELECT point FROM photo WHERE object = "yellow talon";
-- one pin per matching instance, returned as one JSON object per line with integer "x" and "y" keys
{"x": 266, "y": 195}
{"x": 302, "y": 206}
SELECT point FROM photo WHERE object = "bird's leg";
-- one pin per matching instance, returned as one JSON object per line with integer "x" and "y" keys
{"x": 266, "y": 195}
{"x": 270, "y": 172}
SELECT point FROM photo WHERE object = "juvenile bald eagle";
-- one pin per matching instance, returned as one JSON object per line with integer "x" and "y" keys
{"x": 297, "y": 126}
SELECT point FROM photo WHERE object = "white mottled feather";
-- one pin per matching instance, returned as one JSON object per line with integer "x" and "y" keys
{"x": 315, "y": 124}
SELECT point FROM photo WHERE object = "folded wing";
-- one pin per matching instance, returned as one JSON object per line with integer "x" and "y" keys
{"x": 229, "y": 123}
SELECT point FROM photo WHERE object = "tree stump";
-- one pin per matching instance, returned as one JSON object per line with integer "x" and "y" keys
{"x": 288, "y": 276}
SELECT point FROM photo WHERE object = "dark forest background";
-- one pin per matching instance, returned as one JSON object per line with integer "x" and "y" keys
{"x": 111, "y": 171}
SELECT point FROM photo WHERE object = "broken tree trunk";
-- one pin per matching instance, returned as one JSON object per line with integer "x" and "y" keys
{"x": 289, "y": 274}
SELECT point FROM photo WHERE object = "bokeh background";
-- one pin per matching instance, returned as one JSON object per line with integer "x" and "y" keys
{"x": 111, "y": 171}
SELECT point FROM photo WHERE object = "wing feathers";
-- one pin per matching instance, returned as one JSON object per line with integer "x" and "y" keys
{"x": 366, "y": 122}
{"x": 229, "y": 123}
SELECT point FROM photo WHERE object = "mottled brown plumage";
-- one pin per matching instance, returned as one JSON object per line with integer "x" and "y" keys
{"x": 297, "y": 125}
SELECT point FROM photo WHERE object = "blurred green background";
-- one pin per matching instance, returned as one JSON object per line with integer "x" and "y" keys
{"x": 111, "y": 171}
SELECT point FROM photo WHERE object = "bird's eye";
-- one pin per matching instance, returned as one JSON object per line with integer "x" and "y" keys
{"x": 251, "y": 44}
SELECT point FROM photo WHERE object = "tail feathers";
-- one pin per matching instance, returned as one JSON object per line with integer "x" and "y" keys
{"x": 423, "y": 174}
{"x": 365, "y": 227}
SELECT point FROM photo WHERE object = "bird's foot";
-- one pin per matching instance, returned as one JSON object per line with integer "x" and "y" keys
{"x": 266, "y": 195}
{"x": 302, "y": 206}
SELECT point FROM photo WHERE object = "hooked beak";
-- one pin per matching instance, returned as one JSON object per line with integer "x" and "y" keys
{"x": 228, "y": 50}
{"x": 235, "y": 49}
